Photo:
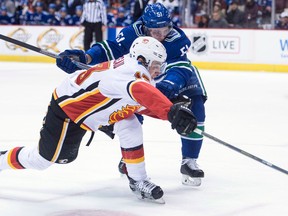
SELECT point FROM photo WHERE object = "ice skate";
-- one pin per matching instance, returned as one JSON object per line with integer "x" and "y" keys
{"x": 2, "y": 152}
{"x": 191, "y": 173}
{"x": 122, "y": 167}
{"x": 147, "y": 191}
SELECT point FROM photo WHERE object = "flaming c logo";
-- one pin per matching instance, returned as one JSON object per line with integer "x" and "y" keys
{"x": 123, "y": 113}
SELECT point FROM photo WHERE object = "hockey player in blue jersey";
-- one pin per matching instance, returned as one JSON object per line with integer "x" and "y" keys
{"x": 39, "y": 16}
{"x": 180, "y": 77}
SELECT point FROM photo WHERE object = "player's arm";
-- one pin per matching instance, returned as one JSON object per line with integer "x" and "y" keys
{"x": 100, "y": 52}
{"x": 111, "y": 49}
{"x": 180, "y": 117}
{"x": 178, "y": 69}
{"x": 175, "y": 79}
{"x": 149, "y": 97}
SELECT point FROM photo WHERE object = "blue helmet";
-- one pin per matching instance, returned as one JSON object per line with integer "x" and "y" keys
{"x": 39, "y": 4}
{"x": 79, "y": 7}
{"x": 52, "y": 6}
{"x": 156, "y": 16}
{"x": 63, "y": 9}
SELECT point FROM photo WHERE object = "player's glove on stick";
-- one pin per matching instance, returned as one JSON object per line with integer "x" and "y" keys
{"x": 65, "y": 61}
{"x": 182, "y": 119}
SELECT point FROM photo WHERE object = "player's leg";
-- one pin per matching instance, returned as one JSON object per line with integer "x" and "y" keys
{"x": 191, "y": 146}
{"x": 98, "y": 32}
{"x": 59, "y": 143}
{"x": 23, "y": 158}
{"x": 88, "y": 35}
{"x": 60, "y": 137}
{"x": 131, "y": 141}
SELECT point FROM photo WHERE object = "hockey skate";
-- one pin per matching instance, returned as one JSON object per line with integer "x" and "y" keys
{"x": 2, "y": 152}
{"x": 122, "y": 167}
{"x": 147, "y": 191}
{"x": 191, "y": 173}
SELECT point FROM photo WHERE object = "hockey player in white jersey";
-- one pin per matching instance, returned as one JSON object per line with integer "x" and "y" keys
{"x": 108, "y": 93}
{"x": 180, "y": 78}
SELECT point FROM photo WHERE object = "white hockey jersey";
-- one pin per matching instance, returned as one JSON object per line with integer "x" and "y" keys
{"x": 109, "y": 92}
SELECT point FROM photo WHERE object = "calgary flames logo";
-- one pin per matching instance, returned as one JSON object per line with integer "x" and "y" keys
{"x": 125, "y": 112}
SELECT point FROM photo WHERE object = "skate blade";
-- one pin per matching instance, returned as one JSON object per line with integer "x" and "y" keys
{"x": 157, "y": 201}
{"x": 187, "y": 180}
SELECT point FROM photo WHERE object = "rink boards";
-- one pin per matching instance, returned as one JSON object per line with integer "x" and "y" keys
{"x": 213, "y": 49}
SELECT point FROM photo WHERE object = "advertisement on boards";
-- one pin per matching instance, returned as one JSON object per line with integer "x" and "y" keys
{"x": 51, "y": 39}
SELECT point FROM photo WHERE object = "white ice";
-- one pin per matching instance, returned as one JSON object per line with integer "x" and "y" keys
{"x": 249, "y": 110}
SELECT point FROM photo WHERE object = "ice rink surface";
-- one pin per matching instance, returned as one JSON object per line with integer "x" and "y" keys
{"x": 246, "y": 109}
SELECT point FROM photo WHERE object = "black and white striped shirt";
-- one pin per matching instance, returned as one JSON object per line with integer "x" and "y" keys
{"x": 94, "y": 11}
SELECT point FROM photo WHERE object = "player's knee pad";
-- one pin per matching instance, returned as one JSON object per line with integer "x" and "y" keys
{"x": 130, "y": 132}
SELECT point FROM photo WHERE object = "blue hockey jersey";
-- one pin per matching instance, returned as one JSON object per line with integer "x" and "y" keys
{"x": 176, "y": 44}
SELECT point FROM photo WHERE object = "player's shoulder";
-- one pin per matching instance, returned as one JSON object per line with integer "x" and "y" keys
{"x": 134, "y": 29}
{"x": 125, "y": 65}
{"x": 175, "y": 42}
{"x": 175, "y": 35}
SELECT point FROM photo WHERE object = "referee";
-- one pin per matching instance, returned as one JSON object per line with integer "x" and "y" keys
{"x": 94, "y": 20}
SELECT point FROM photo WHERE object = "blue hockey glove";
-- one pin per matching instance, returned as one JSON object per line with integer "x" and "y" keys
{"x": 168, "y": 88}
{"x": 66, "y": 57}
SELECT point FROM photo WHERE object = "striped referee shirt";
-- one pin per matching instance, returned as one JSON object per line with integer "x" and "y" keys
{"x": 94, "y": 11}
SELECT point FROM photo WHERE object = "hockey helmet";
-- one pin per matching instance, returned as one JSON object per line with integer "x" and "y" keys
{"x": 156, "y": 16}
{"x": 149, "y": 48}
{"x": 79, "y": 8}
{"x": 39, "y": 4}
{"x": 52, "y": 6}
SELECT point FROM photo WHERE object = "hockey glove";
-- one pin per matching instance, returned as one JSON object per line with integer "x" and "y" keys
{"x": 108, "y": 130}
{"x": 65, "y": 61}
{"x": 182, "y": 119}
{"x": 168, "y": 88}
{"x": 183, "y": 99}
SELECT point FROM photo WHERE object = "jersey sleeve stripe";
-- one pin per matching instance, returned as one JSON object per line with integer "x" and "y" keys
{"x": 108, "y": 51}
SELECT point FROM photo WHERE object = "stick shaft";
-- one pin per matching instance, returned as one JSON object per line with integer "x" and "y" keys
{"x": 38, "y": 50}
{"x": 241, "y": 151}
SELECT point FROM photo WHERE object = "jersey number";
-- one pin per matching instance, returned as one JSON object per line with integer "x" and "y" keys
{"x": 120, "y": 37}
{"x": 184, "y": 50}
{"x": 98, "y": 68}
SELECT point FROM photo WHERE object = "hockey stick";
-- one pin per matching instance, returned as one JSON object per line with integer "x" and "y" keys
{"x": 38, "y": 50}
{"x": 200, "y": 132}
